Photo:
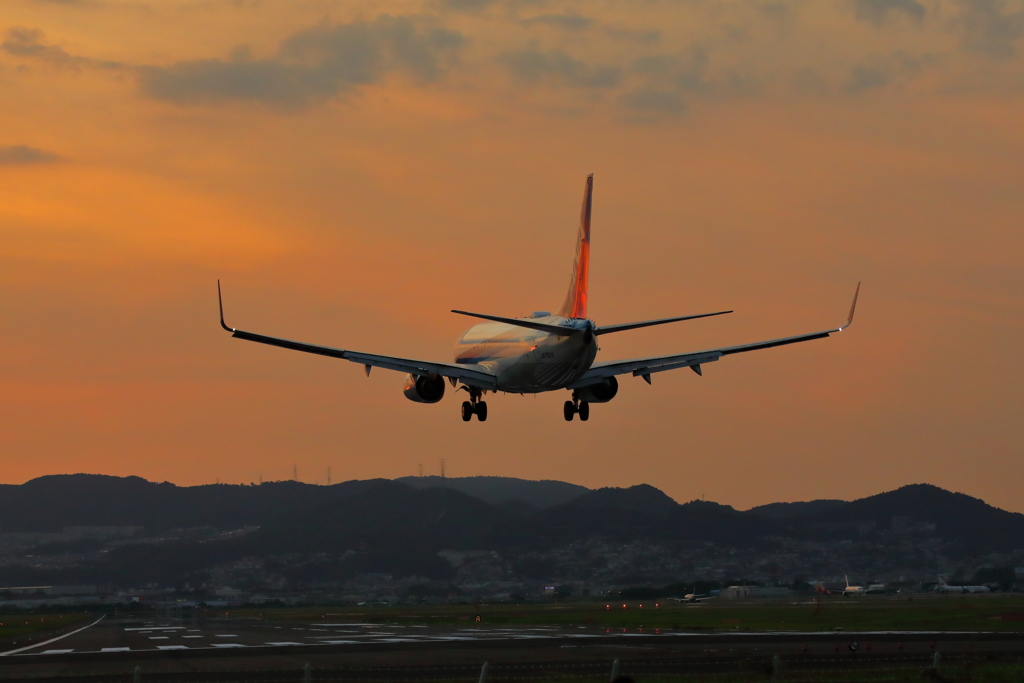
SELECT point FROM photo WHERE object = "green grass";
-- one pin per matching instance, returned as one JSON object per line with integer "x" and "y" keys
{"x": 954, "y": 613}
{"x": 12, "y": 625}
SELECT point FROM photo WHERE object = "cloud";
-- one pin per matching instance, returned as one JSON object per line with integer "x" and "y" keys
{"x": 23, "y": 154}
{"x": 28, "y": 44}
{"x": 314, "y": 64}
{"x": 991, "y": 28}
{"x": 654, "y": 101}
{"x": 569, "y": 22}
{"x": 467, "y": 5}
{"x": 877, "y": 12}
{"x": 536, "y": 65}
{"x": 867, "y": 78}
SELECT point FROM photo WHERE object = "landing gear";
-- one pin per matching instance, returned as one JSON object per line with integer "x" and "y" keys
{"x": 576, "y": 406}
{"x": 474, "y": 406}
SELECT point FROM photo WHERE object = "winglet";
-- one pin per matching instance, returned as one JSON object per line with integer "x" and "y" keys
{"x": 853, "y": 307}
{"x": 220, "y": 300}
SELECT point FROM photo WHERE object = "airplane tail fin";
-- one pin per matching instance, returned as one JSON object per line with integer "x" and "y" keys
{"x": 575, "y": 305}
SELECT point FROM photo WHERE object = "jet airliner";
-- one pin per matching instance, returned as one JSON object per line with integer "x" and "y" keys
{"x": 537, "y": 353}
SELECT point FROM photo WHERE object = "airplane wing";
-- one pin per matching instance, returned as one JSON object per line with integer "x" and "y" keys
{"x": 645, "y": 367}
{"x": 473, "y": 375}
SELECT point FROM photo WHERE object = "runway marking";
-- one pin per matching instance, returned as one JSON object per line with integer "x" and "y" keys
{"x": 51, "y": 640}
{"x": 115, "y": 649}
{"x": 193, "y": 636}
{"x": 285, "y": 643}
{"x": 348, "y": 624}
{"x": 56, "y": 652}
{"x": 172, "y": 647}
{"x": 228, "y": 645}
{"x": 150, "y": 629}
{"x": 340, "y": 642}
{"x": 159, "y": 638}
{"x": 225, "y": 635}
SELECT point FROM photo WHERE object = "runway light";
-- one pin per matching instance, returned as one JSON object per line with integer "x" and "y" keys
{"x": 623, "y": 607}
{"x": 606, "y": 607}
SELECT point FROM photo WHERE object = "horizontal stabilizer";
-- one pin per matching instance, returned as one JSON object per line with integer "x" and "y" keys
{"x": 607, "y": 329}
{"x": 543, "y": 327}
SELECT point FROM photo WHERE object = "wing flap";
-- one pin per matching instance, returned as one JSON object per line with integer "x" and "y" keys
{"x": 645, "y": 367}
{"x": 476, "y": 376}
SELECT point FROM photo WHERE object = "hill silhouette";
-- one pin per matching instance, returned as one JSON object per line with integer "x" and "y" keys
{"x": 498, "y": 490}
{"x": 393, "y": 527}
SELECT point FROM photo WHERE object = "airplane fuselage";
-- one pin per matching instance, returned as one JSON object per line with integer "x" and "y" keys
{"x": 526, "y": 361}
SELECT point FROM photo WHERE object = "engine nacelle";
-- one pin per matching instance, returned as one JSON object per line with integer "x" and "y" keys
{"x": 599, "y": 393}
{"x": 423, "y": 389}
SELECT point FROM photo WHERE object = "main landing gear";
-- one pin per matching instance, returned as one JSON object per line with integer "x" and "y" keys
{"x": 474, "y": 406}
{"x": 574, "y": 407}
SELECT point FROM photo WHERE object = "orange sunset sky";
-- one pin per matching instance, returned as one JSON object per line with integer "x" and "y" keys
{"x": 353, "y": 170}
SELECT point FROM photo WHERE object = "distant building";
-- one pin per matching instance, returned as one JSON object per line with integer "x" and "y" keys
{"x": 746, "y": 592}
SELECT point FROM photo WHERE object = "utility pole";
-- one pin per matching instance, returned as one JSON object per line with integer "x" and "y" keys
{"x": 421, "y": 469}
{"x": 328, "y": 476}
{"x": 261, "y": 478}
{"x": 295, "y": 472}
{"x": 442, "y": 468}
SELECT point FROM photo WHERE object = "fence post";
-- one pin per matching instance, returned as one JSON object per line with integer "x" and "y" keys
{"x": 137, "y": 675}
{"x": 307, "y": 673}
{"x": 615, "y": 670}
{"x": 935, "y": 661}
{"x": 484, "y": 670}
{"x": 776, "y": 665}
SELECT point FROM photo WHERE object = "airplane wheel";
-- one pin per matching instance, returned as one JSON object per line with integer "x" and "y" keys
{"x": 568, "y": 410}
{"x": 467, "y": 411}
{"x": 584, "y": 410}
{"x": 481, "y": 411}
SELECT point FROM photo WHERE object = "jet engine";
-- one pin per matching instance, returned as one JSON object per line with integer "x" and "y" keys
{"x": 599, "y": 393}
{"x": 424, "y": 389}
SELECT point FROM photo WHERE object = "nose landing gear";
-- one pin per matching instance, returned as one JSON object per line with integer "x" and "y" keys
{"x": 474, "y": 406}
{"x": 576, "y": 407}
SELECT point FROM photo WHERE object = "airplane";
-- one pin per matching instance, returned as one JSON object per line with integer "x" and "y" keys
{"x": 537, "y": 353}
{"x": 853, "y": 590}
{"x": 696, "y": 597}
{"x": 944, "y": 587}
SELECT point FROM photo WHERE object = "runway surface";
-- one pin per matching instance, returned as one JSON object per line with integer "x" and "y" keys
{"x": 117, "y": 645}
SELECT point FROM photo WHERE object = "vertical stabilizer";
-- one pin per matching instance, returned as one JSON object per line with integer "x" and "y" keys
{"x": 575, "y": 305}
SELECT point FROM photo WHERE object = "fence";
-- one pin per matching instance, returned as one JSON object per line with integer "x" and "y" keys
{"x": 992, "y": 668}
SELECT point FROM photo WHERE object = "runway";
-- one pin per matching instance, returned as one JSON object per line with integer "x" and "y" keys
{"x": 117, "y": 645}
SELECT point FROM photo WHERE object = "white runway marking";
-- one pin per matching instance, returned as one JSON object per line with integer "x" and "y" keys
{"x": 285, "y": 643}
{"x": 56, "y": 652}
{"x": 228, "y": 645}
{"x": 172, "y": 647}
{"x": 150, "y": 629}
{"x": 226, "y": 635}
{"x": 193, "y": 636}
{"x": 115, "y": 649}
{"x": 159, "y": 638}
{"x": 51, "y": 640}
{"x": 339, "y": 642}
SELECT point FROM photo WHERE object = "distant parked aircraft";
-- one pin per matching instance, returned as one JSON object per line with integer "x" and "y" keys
{"x": 853, "y": 590}
{"x": 944, "y": 587}
{"x": 540, "y": 352}
{"x": 696, "y": 597}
